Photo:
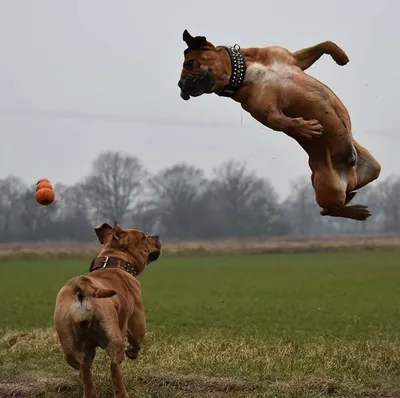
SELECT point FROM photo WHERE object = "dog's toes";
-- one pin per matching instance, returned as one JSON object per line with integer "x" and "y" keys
{"x": 342, "y": 60}
{"x": 318, "y": 128}
{"x": 317, "y": 132}
{"x": 314, "y": 126}
{"x": 361, "y": 212}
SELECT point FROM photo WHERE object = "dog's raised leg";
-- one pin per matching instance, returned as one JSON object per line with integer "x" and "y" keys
{"x": 136, "y": 332}
{"x": 115, "y": 350}
{"x": 307, "y": 56}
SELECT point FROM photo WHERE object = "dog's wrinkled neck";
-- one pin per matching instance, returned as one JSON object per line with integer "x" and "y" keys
{"x": 118, "y": 253}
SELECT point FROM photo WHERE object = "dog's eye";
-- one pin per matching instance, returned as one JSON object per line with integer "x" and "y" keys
{"x": 189, "y": 64}
{"x": 144, "y": 236}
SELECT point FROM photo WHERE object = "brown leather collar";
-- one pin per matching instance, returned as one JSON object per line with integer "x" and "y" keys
{"x": 111, "y": 262}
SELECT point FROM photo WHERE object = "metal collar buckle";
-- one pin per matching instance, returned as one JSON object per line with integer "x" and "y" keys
{"x": 105, "y": 262}
{"x": 236, "y": 48}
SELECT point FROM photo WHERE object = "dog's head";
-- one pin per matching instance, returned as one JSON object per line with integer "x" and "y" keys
{"x": 133, "y": 245}
{"x": 205, "y": 68}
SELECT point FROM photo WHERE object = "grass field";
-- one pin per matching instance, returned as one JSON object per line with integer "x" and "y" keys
{"x": 283, "y": 325}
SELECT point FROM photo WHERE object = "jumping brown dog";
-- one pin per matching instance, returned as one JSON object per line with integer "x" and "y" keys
{"x": 270, "y": 84}
{"x": 103, "y": 308}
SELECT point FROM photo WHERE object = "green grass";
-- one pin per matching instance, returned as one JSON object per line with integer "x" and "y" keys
{"x": 284, "y": 325}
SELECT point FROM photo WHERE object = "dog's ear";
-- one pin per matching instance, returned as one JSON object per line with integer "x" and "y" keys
{"x": 119, "y": 234}
{"x": 103, "y": 231}
{"x": 194, "y": 42}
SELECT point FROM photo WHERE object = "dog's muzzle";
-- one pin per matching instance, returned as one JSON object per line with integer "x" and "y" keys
{"x": 184, "y": 95}
{"x": 155, "y": 255}
{"x": 195, "y": 86}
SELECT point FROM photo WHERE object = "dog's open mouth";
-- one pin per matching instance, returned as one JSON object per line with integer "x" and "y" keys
{"x": 193, "y": 93}
{"x": 153, "y": 256}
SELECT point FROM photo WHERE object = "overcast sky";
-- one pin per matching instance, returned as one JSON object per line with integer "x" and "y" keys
{"x": 80, "y": 77}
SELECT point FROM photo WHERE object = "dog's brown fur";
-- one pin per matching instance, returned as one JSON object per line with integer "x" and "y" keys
{"x": 279, "y": 94}
{"x": 104, "y": 307}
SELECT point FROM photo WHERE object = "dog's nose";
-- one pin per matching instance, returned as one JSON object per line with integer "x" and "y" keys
{"x": 180, "y": 84}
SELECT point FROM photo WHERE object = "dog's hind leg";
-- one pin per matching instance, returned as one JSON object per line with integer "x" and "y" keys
{"x": 355, "y": 212}
{"x": 306, "y": 57}
{"x": 89, "y": 389}
{"x": 331, "y": 194}
{"x": 367, "y": 168}
{"x": 73, "y": 355}
{"x": 79, "y": 356}
{"x": 73, "y": 360}
{"x": 115, "y": 350}
{"x": 82, "y": 361}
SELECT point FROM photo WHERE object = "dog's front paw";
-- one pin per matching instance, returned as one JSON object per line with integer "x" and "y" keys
{"x": 340, "y": 56}
{"x": 307, "y": 129}
{"x": 132, "y": 352}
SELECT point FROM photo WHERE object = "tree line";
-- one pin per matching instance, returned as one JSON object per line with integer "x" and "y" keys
{"x": 180, "y": 202}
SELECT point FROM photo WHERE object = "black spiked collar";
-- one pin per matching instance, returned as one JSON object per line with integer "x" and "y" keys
{"x": 238, "y": 72}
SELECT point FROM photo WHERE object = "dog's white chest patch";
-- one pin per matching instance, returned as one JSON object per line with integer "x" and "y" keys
{"x": 276, "y": 73}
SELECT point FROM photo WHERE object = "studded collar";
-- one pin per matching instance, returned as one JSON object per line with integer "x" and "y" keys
{"x": 111, "y": 262}
{"x": 238, "y": 72}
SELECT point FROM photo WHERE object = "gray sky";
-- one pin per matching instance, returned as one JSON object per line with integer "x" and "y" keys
{"x": 80, "y": 77}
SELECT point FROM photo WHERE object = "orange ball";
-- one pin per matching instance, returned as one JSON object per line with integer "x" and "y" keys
{"x": 43, "y": 184}
{"x": 43, "y": 180}
{"x": 44, "y": 196}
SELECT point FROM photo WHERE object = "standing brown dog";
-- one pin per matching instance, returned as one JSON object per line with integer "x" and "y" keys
{"x": 271, "y": 85}
{"x": 104, "y": 307}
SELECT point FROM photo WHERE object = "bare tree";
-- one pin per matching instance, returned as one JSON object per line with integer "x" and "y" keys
{"x": 241, "y": 202}
{"x": 387, "y": 196}
{"x": 114, "y": 185}
{"x": 176, "y": 195}
{"x": 301, "y": 209}
{"x": 73, "y": 212}
{"x": 11, "y": 189}
{"x": 181, "y": 202}
{"x": 72, "y": 201}
{"x": 145, "y": 217}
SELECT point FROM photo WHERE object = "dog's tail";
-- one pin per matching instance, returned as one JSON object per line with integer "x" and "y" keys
{"x": 85, "y": 287}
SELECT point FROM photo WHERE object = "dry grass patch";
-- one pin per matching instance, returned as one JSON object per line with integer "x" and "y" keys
{"x": 209, "y": 364}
